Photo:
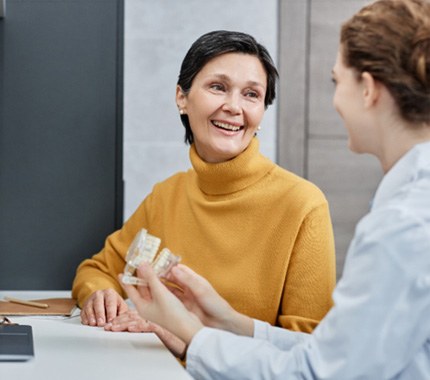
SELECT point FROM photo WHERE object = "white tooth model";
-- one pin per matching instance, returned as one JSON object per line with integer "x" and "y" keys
{"x": 144, "y": 249}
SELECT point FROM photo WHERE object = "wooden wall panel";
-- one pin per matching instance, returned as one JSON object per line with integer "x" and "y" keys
{"x": 312, "y": 140}
{"x": 326, "y": 17}
{"x": 292, "y": 90}
{"x": 349, "y": 182}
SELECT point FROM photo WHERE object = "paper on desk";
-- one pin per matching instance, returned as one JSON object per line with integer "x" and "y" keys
{"x": 57, "y": 306}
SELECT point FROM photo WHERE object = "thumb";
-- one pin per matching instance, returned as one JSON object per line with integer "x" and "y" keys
{"x": 131, "y": 291}
{"x": 146, "y": 272}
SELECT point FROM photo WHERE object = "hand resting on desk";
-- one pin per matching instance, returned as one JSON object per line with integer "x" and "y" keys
{"x": 102, "y": 307}
{"x": 131, "y": 321}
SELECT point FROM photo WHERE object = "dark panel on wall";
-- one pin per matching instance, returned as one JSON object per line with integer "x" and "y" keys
{"x": 60, "y": 137}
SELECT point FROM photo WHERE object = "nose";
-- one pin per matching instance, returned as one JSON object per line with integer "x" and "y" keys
{"x": 232, "y": 103}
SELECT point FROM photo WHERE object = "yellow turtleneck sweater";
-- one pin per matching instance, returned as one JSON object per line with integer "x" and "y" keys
{"x": 261, "y": 235}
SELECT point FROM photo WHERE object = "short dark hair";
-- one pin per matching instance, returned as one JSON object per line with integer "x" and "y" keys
{"x": 214, "y": 44}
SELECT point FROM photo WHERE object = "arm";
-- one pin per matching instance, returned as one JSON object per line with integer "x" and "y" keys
{"x": 95, "y": 286}
{"x": 156, "y": 303}
{"x": 311, "y": 275}
{"x": 201, "y": 299}
{"x": 381, "y": 303}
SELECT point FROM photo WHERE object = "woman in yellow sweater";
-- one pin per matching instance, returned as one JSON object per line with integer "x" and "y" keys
{"x": 261, "y": 235}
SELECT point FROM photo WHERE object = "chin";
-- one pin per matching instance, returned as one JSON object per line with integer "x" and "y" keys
{"x": 229, "y": 151}
{"x": 352, "y": 147}
{"x": 356, "y": 149}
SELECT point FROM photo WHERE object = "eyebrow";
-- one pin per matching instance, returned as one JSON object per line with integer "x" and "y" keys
{"x": 249, "y": 83}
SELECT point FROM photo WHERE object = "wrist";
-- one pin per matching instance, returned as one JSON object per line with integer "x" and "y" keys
{"x": 188, "y": 329}
{"x": 240, "y": 324}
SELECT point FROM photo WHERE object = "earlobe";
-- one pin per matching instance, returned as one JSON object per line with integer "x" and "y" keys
{"x": 370, "y": 89}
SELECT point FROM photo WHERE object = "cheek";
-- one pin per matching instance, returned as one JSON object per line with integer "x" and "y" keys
{"x": 255, "y": 116}
{"x": 336, "y": 103}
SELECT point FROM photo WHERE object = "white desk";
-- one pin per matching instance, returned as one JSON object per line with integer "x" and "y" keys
{"x": 67, "y": 350}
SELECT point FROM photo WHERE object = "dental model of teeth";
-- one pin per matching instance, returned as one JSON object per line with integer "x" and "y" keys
{"x": 144, "y": 249}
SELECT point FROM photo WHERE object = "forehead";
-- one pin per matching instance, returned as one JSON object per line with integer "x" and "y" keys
{"x": 235, "y": 65}
{"x": 338, "y": 65}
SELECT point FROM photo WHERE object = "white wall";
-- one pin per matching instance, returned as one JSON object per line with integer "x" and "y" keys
{"x": 157, "y": 36}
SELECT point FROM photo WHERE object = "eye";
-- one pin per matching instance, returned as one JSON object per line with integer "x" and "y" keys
{"x": 217, "y": 87}
{"x": 252, "y": 94}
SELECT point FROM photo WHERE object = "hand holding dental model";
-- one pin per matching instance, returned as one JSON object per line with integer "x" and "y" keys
{"x": 184, "y": 312}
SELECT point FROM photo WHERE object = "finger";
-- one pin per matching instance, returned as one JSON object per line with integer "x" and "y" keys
{"x": 122, "y": 307}
{"x": 132, "y": 292}
{"x": 99, "y": 309}
{"x": 112, "y": 300}
{"x": 123, "y": 318}
{"x": 155, "y": 286}
{"x": 130, "y": 322}
{"x": 144, "y": 292}
{"x": 126, "y": 317}
{"x": 89, "y": 313}
{"x": 140, "y": 326}
{"x": 121, "y": 325}
{"x": 84, "y": 318}
{"x": 179, "y": 293}
{"x": 170, "y": 285}
{"x": 188, "y": 279}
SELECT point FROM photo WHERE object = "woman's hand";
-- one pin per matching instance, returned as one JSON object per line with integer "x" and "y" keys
{"x": 156, "y": 303}
{"x": 201, "y": 299}
{"x": 131, "y": 321}
{"x": 102, "y": 307}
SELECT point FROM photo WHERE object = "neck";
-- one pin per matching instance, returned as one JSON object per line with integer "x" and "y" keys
{"x": 397, "y": 144}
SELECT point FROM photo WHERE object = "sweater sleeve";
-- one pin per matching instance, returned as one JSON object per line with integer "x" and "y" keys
{"x": 311, "y": 276}
{"x": 101, "y": 270}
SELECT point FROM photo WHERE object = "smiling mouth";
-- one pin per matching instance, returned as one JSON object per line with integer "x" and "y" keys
{"x": 226, "y": 126}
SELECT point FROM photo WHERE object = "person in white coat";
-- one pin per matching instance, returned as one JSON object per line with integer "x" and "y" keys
{"x": 379, "y": 325}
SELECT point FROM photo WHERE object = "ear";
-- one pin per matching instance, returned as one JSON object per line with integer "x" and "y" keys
{"x": 181, "y": 98}
{"x": 371, "y": 89}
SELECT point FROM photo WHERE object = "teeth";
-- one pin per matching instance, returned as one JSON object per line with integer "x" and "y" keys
{"x": 229, "y": 127}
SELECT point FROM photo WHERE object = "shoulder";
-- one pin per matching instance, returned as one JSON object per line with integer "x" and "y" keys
{"x": 297, "y": 188}
{"x": 397, "y": 234}
{"x": 175, "y": 180}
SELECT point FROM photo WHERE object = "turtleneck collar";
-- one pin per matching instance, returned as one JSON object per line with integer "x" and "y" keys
{"x": 233, "y": 175}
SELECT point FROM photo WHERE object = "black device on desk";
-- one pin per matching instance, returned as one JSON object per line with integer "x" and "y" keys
{"x": 16, "y": 342}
